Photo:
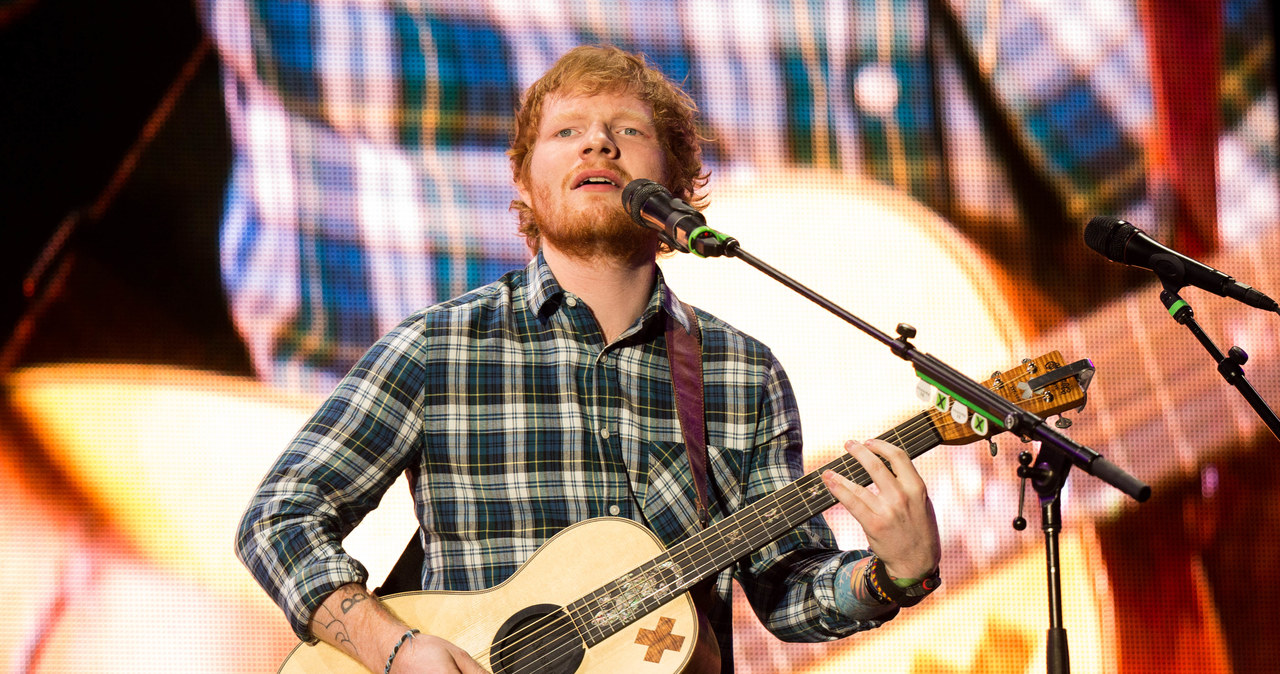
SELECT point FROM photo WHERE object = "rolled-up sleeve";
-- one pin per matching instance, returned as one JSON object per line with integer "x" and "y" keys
{"x": 790, "y": 583}
{"x": 333, "y": 472}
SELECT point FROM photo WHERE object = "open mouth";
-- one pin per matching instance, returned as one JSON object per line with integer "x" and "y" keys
{"x": 597, "y": 179}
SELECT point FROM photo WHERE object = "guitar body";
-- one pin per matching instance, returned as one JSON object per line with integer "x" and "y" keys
{"x": 573, "y": 563}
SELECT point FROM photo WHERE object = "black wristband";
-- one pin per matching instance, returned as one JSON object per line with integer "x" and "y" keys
{"x": 872, "y": 583}
{"x": 887, "y": 591}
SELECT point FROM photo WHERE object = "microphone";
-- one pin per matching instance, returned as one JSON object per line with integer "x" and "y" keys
{"x": 1122, "y": 242}
{"x": 653, "y": 207}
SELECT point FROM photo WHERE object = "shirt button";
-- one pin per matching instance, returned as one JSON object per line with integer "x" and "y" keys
{"x": 571, "y": 300}
{"x": 614, "y": 509}
{"x": 604, "y": 433}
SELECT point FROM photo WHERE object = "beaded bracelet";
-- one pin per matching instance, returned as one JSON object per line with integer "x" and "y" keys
{"x": 396, "y": 649}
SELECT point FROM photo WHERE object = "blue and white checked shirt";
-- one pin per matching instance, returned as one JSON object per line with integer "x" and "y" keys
{"x": 514, "y": 419}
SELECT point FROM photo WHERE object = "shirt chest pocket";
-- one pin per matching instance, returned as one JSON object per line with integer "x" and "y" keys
{"x": 669, "y": 498}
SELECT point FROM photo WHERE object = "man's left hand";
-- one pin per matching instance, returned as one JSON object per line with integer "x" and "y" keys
{"x": 897, "y": 515}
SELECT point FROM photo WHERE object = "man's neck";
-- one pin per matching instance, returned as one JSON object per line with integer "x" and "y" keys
{"x": 616, "y": 290}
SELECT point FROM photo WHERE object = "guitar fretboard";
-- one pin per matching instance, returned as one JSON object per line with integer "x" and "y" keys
{"x": 621, "y": 602}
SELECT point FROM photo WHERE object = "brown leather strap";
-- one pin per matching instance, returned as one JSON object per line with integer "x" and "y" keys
{"x": 684, "y": 350}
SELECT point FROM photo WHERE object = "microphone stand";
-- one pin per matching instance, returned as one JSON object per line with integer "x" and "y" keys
{"x": 1230, "y": 365}
{"x": 1057, "y": 452}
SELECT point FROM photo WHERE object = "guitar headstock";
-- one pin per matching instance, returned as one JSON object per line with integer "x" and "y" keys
{"x": 1043, "y": 386}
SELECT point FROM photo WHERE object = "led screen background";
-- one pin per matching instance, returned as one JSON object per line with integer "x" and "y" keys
{"x": 233, "y": 199}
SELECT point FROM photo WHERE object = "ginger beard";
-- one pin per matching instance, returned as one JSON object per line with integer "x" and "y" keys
{"x": 601, "y": 229}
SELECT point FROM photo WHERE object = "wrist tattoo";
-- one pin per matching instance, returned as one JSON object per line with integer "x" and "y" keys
{"x": 350, "y": 602}
{"x": 858, "y": 582}
{"x": 337, "y": 630}
{"x": 850, "y": 588}
{"x": 845, "y": 594}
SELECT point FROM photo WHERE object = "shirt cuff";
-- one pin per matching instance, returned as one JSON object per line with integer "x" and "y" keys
{"x": 316, "y": 582}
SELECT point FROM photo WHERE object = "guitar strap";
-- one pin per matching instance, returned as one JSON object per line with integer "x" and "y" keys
{"x": 684, "y": 350}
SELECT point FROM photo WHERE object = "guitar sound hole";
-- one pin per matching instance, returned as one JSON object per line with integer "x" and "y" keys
{"x": 538, "y": 639}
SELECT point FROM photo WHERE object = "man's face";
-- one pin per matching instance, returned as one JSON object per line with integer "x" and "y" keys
{"x": 587, "y": 149}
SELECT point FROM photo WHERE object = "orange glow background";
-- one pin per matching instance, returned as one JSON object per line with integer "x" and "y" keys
{"x": 133, "y": 426}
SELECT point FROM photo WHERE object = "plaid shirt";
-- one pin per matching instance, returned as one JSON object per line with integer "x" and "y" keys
{"x": 514, "y": 419}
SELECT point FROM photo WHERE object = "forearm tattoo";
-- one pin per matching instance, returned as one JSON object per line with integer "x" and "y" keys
{"x": 350, "y": 602}
{"x": 850, "y": 590}
{"x": 334, "y": 625}
{"x": 336, "y": 629}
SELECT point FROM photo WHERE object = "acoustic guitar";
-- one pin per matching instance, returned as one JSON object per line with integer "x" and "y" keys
{"x": 605, "y": 596}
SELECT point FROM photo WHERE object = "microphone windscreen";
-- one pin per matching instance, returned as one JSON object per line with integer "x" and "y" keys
{"x": 1107, "y": 235}
{"x": 636, "y": 193}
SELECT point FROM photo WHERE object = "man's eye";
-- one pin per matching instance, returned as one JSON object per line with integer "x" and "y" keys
{"x": 630, "y": 132}
{"x": 564, "y": 133}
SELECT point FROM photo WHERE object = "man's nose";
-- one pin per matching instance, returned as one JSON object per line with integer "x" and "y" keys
{"x": 599, "y": 139}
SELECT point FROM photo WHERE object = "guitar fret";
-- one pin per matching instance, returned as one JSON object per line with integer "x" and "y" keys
{"x": 618, "y": 603}
{"x": 622, "y": 601}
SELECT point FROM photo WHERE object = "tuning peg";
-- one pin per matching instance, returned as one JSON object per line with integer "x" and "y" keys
{"x": 992, "y": 448}
{"x": 1063, "y": 423}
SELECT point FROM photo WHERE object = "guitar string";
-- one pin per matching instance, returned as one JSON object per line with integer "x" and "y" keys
{"x": 914, "y": 429}
{"x": 566, "y": 648}
{"x": 805, "y": 490}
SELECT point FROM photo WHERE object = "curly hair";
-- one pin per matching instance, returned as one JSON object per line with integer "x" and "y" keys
{"x": 590, "y": 70}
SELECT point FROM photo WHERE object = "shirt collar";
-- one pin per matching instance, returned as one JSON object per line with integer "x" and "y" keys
{"x": 672, "y": 305}
{"x": 545, "y": 293}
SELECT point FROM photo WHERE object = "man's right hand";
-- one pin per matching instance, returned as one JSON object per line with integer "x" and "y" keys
{"x": 355, "y": 622}
{"x": 425, "y": 653}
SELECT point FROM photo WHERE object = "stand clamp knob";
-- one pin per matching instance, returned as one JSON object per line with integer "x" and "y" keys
{"x": 1024, "y": 471}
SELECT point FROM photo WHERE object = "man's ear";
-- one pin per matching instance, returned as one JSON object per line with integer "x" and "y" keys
{"x": 523, "y": 192}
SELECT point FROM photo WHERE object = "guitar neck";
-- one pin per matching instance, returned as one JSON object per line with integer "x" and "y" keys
{"x": 617, "y": 604}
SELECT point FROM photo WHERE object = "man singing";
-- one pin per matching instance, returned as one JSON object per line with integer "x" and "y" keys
{"x": 546, "y": 398}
